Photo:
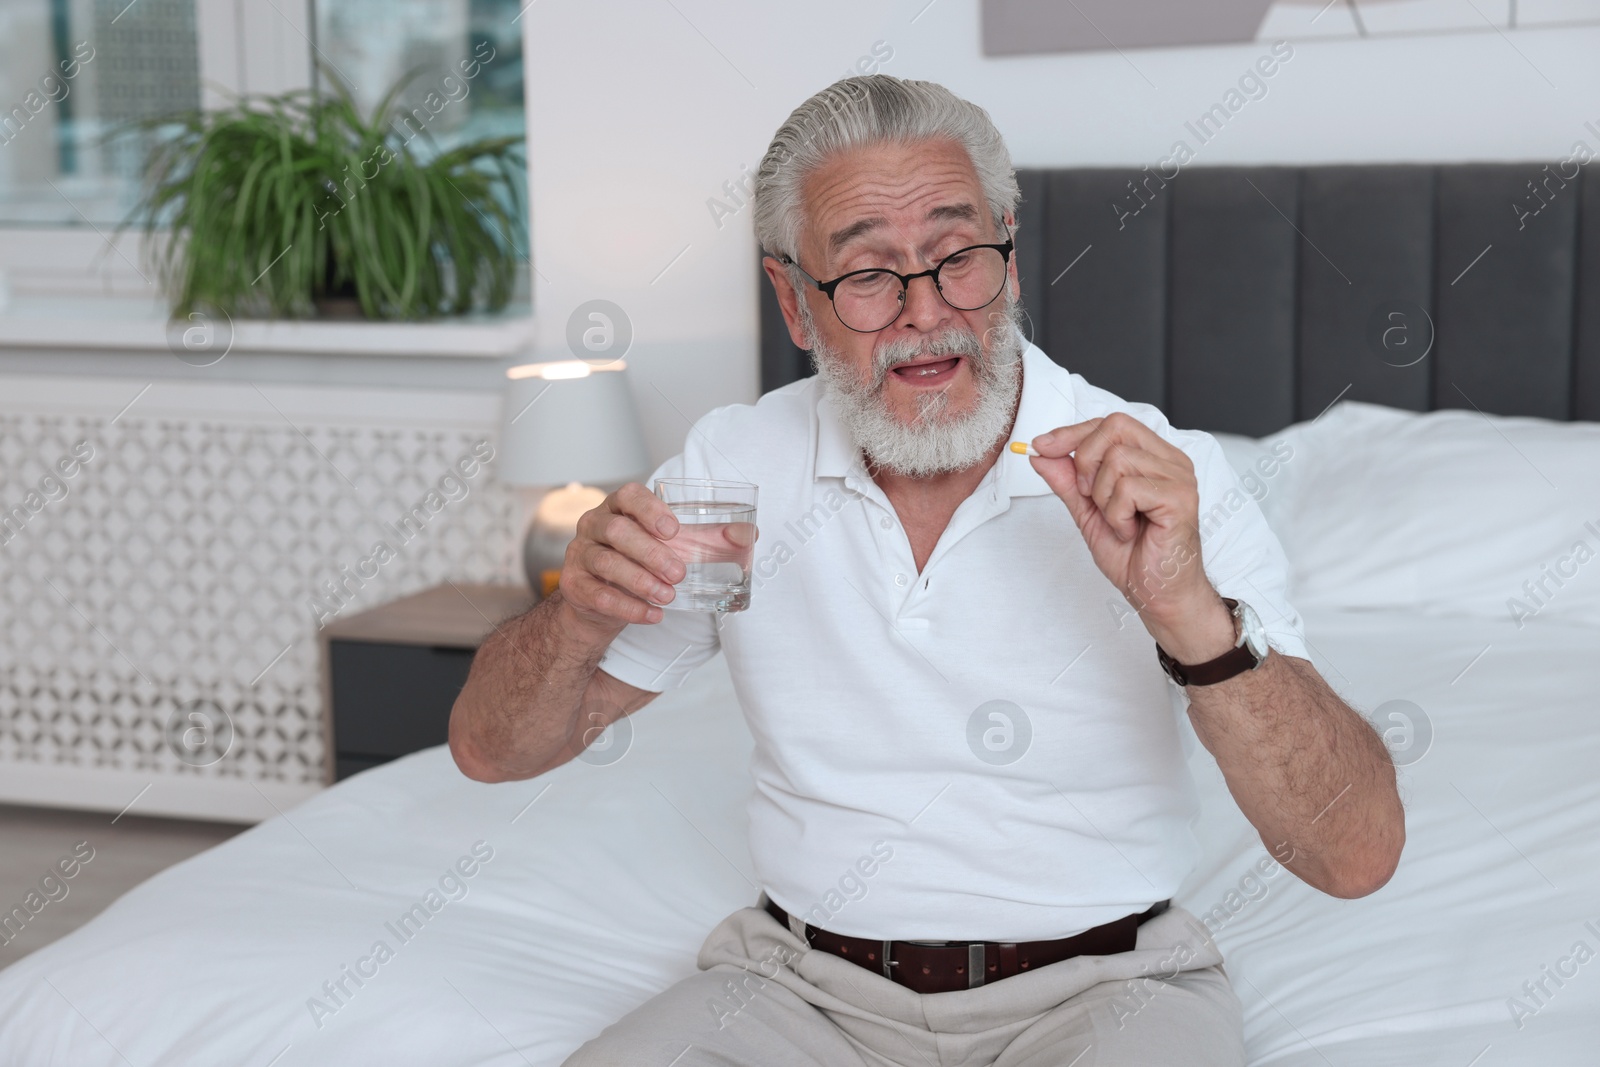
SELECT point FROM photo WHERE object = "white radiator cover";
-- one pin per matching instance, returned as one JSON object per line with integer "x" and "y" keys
{"x": 184, "y": 566}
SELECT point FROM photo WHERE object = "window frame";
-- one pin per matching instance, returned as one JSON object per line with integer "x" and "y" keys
{"x": 241, "y": 48}
{"x": 256, "y": 48}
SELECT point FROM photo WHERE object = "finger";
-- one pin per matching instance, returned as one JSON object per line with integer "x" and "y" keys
{"x": 1122, "y": 462}
{"x": 1091, "y": 455}
{"x": 1117, "y": 429}
{"x": 1162, "y": 501}
{"x": 1061, "y": 475}
{"x": 741, "y": 534}
{"x": 623, "y": 533}
{"x": 592, "y": 523}
{"x": 587, "y": 591}
{"x": 649, "y": 510}
{"x": 1128, "y": 497}
{"x": 1065, "y": 439}
{"x": 1089, "y": 442}
{"x": 625, "y": 574}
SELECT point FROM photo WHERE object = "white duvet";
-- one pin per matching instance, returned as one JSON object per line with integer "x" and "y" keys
{"x": 409, "y": 915}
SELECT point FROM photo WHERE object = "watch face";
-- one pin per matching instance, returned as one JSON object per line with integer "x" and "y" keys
{"x": 1255, "y": 636}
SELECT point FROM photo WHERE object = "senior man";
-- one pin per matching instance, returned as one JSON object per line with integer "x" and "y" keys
{"x": 971, "y": 803}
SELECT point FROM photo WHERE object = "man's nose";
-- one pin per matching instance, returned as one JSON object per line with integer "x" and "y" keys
{"x": 924, "y": 309}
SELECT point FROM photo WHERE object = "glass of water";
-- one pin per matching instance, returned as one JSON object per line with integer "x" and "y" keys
{"x": 715, "y": 540}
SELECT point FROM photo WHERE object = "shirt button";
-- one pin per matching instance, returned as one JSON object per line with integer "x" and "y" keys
{"x": 900, "y": 580}
{"x": 886, "y": 522}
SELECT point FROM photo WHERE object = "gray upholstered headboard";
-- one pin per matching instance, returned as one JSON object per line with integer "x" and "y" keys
{"x": 1242, "y": 299}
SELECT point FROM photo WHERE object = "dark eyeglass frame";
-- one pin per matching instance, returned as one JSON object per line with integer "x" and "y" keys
{"x": 1005, "y": 248}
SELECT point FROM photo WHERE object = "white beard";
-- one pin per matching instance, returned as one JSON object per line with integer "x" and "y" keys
{"x": 933, "y": 442}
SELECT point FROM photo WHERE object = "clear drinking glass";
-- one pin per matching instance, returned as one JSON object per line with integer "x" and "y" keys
{"x": 715, "y": 540}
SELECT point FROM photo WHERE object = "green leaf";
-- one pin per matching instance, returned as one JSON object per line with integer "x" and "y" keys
{"x": 273, "y": 201}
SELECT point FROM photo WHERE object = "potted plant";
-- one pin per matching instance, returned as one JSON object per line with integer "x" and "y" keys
{"x": 293, "y": 206}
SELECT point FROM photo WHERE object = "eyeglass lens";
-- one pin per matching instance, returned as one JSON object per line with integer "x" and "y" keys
{"x": 968, "y": 280}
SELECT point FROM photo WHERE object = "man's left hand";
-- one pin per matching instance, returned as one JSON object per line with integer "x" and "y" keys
{"x": 1135, "y": 499}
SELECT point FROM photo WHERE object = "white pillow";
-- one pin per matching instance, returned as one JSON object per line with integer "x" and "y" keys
{"x": 1447, "y": 512}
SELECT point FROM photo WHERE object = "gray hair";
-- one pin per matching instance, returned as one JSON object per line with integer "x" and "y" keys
{"x": 872, "y": 109}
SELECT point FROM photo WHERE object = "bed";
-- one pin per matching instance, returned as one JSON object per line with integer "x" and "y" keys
{"x": 236, "y": 955}
{"x": 1413, "y": 535}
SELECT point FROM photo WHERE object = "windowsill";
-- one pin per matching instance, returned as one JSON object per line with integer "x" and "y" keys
{"x": 138, "y": 324}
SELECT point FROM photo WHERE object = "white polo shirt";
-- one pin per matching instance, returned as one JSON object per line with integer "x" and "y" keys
{"x": 986, "y": 750}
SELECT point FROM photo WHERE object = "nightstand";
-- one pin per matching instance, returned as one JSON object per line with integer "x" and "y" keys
{"x": 390, "y": 675}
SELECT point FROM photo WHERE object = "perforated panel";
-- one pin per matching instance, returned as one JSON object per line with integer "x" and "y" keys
{"x": 185, "y": 566}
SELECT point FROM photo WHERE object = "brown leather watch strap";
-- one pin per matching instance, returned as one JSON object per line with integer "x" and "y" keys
{"x": 1236, "y": 660}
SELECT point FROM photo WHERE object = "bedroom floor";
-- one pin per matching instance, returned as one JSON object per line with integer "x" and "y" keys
{"x": 125, "y": 853}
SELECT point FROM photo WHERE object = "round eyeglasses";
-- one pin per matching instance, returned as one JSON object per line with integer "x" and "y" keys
{"x": 870, "y": 300}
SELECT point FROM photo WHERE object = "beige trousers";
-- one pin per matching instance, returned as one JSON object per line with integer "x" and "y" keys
{"x": 763, "y": 998}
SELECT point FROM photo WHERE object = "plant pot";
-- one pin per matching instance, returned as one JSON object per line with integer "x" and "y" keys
{"x": 338, "y": 306}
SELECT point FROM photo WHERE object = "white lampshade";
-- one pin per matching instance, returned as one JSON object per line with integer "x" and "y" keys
{"x": 569, "y": 421}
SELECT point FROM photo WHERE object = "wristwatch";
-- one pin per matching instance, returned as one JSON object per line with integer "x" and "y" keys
{"x": 1247, "y": 652}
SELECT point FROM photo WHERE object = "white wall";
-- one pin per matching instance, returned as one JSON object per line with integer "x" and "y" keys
{"x": 638, "y": 114}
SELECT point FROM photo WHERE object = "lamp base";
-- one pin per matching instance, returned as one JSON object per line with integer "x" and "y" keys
{"x": 555, "y": 523}
{"x": 541, "y": 559}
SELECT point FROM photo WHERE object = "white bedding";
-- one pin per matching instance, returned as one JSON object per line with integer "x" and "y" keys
{"x": 600, "y": 893}
{"x": 604, "y": 879}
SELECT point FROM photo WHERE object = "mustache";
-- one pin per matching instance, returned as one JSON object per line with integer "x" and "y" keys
{"x": 954, "y": 341}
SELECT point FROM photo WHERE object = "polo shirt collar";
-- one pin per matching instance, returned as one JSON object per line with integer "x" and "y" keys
{"x": 1048, "y": 401}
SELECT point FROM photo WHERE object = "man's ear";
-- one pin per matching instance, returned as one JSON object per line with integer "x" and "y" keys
{"x": 788, "y": 299}
{"x": 1013, "y": 283}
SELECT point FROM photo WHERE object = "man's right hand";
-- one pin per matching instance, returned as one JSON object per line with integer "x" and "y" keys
{"x": 535, "y": 696}
{"x": 618, "y": 568}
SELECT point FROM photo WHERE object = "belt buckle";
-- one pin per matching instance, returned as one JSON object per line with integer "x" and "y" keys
{"x": 977, "y": 958}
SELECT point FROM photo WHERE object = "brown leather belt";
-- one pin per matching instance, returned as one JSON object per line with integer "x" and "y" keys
{"x": 941, "y": 967}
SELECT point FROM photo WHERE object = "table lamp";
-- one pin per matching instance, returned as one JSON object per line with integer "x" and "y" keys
{"x": 568, "y": 426}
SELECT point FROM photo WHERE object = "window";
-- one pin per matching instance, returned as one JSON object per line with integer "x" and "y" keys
{"x": 463, "y": 57}
{"x": 71, "y": 72}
